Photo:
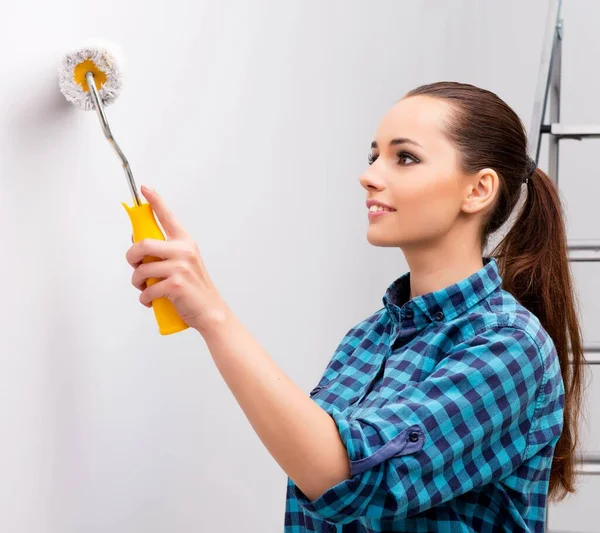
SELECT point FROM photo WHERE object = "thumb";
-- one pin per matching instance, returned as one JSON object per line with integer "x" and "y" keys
{"x": 166, "y": 218}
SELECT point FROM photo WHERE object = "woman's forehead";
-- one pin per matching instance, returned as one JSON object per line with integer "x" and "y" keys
{"x": 420, "y": 118}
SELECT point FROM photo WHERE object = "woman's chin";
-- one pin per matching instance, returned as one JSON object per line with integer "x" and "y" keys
{"x": 376, "y": 237}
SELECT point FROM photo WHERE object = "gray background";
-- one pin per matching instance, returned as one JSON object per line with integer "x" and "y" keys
{"x": 253, "y": 119}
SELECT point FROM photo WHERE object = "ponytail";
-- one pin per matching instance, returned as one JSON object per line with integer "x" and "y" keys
{"x": 533, "y": 261}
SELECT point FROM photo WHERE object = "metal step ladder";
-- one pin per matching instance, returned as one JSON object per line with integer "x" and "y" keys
{"x": 547, "y": 98}
{"x": 547, "y": 103}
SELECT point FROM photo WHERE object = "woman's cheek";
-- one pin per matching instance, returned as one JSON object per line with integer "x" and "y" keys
{"x": 428, "y": 209}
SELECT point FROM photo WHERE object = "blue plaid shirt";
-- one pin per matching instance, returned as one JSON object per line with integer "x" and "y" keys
{"x": 449, "y": 405}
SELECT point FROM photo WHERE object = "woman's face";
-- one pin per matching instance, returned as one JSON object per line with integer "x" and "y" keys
{"x": 414, "y": 171}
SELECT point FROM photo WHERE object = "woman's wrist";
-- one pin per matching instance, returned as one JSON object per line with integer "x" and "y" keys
{"x": 214, "y": 322}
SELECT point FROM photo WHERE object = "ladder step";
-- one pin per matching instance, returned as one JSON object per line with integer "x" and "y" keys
{"x": 591, "y": 351}
{"x": 588, "y": 470}
{"x": 584, "y": 259}
{"x": 593, "y": 347}
{"x": 574, "y": 131}
{"x": 577, "y": 249}
{"x": 590, "y": 458}
{"x": 589, "y": 464}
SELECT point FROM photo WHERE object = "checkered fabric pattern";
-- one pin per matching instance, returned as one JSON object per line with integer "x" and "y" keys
{"x": 449, "y": 405}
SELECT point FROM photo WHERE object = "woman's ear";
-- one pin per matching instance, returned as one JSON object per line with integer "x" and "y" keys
{"x": 481, "y": 191}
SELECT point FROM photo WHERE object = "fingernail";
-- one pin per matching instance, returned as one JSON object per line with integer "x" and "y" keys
{"x": 147, "y": 189}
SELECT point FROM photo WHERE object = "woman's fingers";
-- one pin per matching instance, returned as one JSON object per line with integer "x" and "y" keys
{"x": 155, "y": 291}
{"x": 154, "y": 248}
{"x": 156, "y": 270}
{"x": 172, "y": 227}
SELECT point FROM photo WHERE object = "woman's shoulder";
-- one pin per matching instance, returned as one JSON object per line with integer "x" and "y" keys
{"x": 505, "y": 313}
{"x": 503, "y": 321}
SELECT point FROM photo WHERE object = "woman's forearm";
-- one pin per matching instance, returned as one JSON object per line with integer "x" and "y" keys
{"x": 301, "y": 436}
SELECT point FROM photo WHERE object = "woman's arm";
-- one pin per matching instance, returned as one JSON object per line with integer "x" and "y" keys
{"x": 301, "y": 436}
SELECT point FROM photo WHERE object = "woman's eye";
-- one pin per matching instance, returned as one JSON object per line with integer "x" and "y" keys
{"x": 404, "y": 158}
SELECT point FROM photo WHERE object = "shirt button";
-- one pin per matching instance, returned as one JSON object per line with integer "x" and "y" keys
{"x": 409, "y": 313}
{"x": 439, "y": 316}
{"x": 413, "y": 436}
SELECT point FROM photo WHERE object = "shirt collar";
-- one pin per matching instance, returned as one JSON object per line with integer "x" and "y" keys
{"x": 444, "y": 304}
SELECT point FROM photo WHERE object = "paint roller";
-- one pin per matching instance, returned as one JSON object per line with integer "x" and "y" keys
{"x": 90, "y": 77}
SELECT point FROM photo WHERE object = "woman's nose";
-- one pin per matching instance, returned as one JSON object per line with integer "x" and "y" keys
{"x": 370, "y": 181}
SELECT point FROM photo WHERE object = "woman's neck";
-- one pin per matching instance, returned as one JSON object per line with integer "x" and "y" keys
{"x": 435, "y": 267}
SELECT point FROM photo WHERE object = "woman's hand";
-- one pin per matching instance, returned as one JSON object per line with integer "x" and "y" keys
{"x": 184, "y": 279}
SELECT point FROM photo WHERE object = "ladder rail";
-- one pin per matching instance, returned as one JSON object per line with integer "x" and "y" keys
{"x": 547, "y": 64}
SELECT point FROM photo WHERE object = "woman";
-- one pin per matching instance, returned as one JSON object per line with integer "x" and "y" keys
{"x": 454, "y": 407}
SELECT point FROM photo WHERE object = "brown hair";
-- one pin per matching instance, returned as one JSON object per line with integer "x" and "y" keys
{"x": 533, "y": 256}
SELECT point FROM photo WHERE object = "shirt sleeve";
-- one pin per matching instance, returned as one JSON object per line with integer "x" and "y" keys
{"x": 416, "y": 445}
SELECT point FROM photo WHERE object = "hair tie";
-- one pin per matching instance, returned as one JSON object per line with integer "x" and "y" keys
{"x": 531, "y": 168}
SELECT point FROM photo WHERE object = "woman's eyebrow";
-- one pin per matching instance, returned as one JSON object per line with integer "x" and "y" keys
{"x": 399, "y": 140}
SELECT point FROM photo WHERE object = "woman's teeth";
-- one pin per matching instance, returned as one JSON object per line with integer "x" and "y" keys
{"x": 375, "y": 208}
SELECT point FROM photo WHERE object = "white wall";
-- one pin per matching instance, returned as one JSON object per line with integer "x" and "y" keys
{"x": 254, "y": 120}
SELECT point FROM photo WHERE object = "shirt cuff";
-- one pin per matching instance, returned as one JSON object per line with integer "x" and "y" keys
{"x": 367, "y": 453}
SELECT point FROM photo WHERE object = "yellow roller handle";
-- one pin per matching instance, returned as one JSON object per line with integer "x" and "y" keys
{"x": 145, "y": 227}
